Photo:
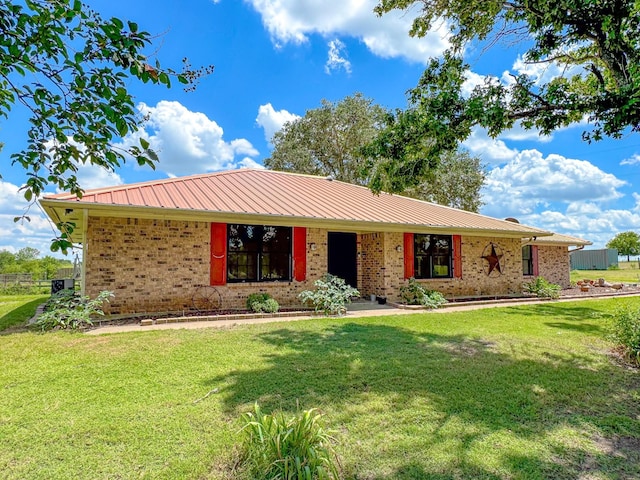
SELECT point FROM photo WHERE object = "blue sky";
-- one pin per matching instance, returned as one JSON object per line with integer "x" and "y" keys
{"x": 275, "y": 59}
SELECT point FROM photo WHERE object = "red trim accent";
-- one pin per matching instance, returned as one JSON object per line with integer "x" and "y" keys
{"x": 534, "y": 259}
{"x": 409, "y": 266}
{"x": 218, "y": 270}
{"x": 457, "y": 256}
{"x": 299, "y": 254}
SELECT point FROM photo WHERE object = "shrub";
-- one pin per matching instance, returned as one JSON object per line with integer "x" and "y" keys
{"x": 276, "y": 447}
{"x": 415, "y": 294}
{"x": 625, "y": 331}
{"x": 262, "y": 302}
{"x": 67, "y": 309}
{"x": 542, "y": 288}
{"x": 613, "y": 267}
{"x": 330, "y": 296}
{"x": 17, "y": 289}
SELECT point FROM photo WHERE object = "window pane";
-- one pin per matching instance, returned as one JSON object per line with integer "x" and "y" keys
{"x": 441, "y": 266}
{"x": 258, "y": 253}
{"x": 433, "y": 256}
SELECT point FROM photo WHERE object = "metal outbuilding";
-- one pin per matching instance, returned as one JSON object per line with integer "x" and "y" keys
{"x": 600, "y": 259}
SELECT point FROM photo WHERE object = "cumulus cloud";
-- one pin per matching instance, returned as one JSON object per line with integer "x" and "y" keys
{"x": 336, "y": 57}
{"x": 531, "y": 181}
{"x": 188, "y": 142}
{"x": 272, "y": 121}
{"x": 292, "y": 21}
{"x": 36, "y": 232}
{"x": 632, "y": 160}
{"x": 490, "y": 150}
{"x": 541, "y": 72}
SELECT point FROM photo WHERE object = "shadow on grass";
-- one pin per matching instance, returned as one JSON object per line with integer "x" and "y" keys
{"x": 575, "y": 318}
{"x": 446, "y": 394}
{"x": 19, "y": 316}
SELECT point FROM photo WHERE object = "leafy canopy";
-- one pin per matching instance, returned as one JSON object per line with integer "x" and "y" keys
{"x": 594, "y": 46}
{"x": 334, "y": 140}
{"x": 70, "y": 68}
{"x": 627, "y": 243}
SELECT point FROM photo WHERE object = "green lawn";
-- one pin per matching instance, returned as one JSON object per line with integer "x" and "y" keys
{"x": 627, "y": 273}
{"x": 16, "y": 309}
{"x": 527, "y": 392}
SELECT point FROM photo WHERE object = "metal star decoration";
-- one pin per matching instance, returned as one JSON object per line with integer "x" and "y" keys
{"x": 494, "y": 260}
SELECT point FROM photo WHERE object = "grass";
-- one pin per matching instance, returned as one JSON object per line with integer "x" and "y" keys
{"x": 627, "y": 273}
{"x": 526, "y": 392}
{"x": 17, "y": 309}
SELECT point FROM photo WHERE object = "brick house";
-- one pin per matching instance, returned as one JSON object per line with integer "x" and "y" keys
{"x": 244, "y": 231}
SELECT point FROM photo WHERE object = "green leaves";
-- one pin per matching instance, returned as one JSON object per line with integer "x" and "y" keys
{"x": 594, "y": 45}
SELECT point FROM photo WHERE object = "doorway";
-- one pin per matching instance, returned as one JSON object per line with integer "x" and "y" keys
{"x": 343, "y": 257}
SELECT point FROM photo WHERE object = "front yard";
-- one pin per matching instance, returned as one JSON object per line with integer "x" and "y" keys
{"x": 507, "y": 393}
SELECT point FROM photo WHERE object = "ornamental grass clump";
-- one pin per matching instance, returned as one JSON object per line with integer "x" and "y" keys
{"x": 279, "y": 448}
{"x": 330, "y": 296}
{"x": 625, "y": 331}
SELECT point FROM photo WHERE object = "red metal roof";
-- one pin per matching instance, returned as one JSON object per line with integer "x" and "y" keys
{"x": 268, "y": 192}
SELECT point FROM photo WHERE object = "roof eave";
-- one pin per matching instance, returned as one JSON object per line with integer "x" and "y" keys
{"x": 60, "y": 210}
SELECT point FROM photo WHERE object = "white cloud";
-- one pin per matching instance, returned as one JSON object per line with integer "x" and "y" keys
{"x": 272, "y": 121}
{"x": 188, "y": 142}
{"x": 632, "y": 160}
{"x": 250, "y": 163}
{"x": 336, "y": 57}
{"x": 36, "y": 232}
{"x": 92, "y": 176}
{"x": 292, "y": 21}
{"x": 541, "y": 72}
{"x": 490, "y": 150}
{"x": 530, "y": 181}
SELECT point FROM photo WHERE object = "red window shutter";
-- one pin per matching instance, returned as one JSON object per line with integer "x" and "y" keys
{"x": 218, "y": 254}
{"x": 300, "y": 254}
{"x": 457, "y": 256}
{"x": 409, "y": 266}
{"x": 534, "y": 259}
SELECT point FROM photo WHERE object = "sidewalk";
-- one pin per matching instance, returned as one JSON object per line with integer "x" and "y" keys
{"x": 355, "y": 310}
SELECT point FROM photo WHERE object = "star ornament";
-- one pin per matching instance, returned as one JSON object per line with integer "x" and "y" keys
{"x": 493, "y": 259}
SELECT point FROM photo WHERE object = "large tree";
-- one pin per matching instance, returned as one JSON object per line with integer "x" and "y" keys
{"x": 70, "y": 69}
{"x": 594, "y": 46}
{"x": 333, "y": 140}
{"x": 627, "y": 243}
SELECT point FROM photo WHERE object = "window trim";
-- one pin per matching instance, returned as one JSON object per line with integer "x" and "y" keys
{"x": 530, "y": 262}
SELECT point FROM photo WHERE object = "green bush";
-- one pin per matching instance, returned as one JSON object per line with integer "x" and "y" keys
{"x": 413, "y": 293}
{"x": 613, "y": 267}
{"x": 330, "y": 296}
{"x": 70, "y": 310}
{"x": 262, "y": 302}
{"x": 542, "y": 288}
{"x": 17, "y": 289}
{"x": 625, "y": 331}
{"x": 296, "y": 448}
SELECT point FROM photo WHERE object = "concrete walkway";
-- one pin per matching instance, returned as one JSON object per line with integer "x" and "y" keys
{"x": 355, "y": 310}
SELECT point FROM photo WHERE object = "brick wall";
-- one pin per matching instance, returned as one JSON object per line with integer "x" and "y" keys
{"x": 158, "y": 265}
{"x": 554, "y": 264}
{"x": 475, "y": 281}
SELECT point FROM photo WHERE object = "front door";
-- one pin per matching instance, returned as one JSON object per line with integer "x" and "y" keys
{"x": 343, "y": 257}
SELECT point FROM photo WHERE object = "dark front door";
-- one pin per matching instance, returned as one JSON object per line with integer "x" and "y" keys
{"x": 343, "y": 257}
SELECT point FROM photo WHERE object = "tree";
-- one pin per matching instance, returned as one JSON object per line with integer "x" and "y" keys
{"x": 328, "y": 140}
{"x": 332, "y": 141}
{"x": 595, "y": 47}
{"x": 627, "y": 243}
{"x": 70, "y": 69}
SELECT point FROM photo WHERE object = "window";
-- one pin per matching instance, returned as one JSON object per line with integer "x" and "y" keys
{"x": 258, "y": 253}
{"x": 433, "y": 256}
{"x": 527, "y": 260}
